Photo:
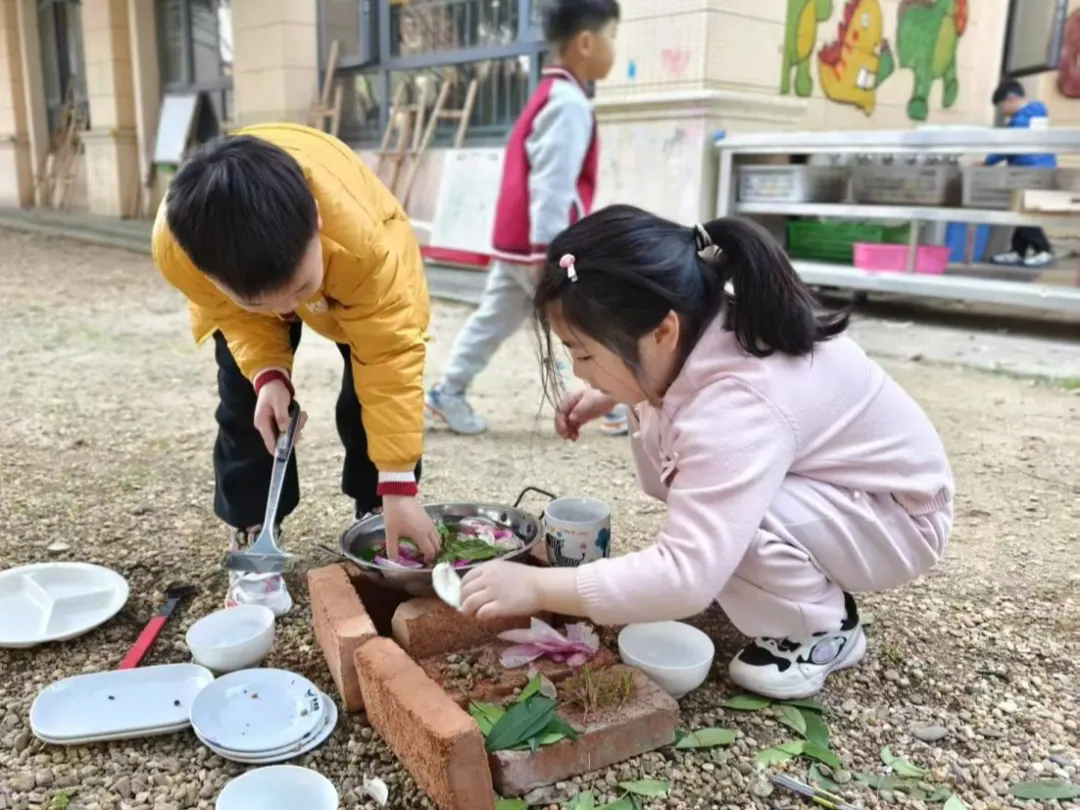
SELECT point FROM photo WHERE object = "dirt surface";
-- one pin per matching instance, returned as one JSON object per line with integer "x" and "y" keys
{"x": 107, "y": 431}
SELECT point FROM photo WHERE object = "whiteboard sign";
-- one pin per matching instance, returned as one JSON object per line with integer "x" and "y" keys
{"x": 465, "y": 210}
{"x": 175, "y": 125}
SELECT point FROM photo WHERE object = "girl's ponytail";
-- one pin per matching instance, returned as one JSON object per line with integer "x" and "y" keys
{"x": 773, "y": 310}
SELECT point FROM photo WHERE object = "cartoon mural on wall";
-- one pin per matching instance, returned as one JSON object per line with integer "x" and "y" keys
{"x": 927, "y": 35}
{"x": 1069, "y": 67}
{"x": 854, "y": 66}
{"x": 800, "y": 35}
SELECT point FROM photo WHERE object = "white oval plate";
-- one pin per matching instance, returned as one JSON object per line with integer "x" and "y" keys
{"x": 292, "y": 752}
{"x": 56, "y": 601}
{"x": 124, "y": 735}
{"x": 127, "y": 702}
{"x": 256, "y": 710}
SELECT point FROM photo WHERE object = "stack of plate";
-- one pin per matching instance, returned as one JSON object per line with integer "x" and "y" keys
{"x": 118, "y": 705}
{"x": 261, "y": 716}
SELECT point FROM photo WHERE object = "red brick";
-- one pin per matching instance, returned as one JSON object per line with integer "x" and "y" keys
{"x": 341, "y": 627}
{"x": 645, "y": 723}
{"x": 427, "y": 626}
{"x": 437, "y": 743}
{"x": 496, "y": 690}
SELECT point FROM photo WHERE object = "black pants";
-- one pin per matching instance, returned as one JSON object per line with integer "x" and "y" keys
{"x": 1033, "y": 238}
{"x": 242, "y": 466}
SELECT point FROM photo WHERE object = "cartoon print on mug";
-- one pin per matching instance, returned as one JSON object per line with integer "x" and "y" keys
{"x": 603, "y": 542}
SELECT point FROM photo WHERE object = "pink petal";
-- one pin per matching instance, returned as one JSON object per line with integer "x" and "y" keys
{"x": 578, "y": 659}
{"x": 583, "y": 635}
{"x": 404, "y": 562}
{"x": 538, "y": 633}
{"x": 519, "y": 655}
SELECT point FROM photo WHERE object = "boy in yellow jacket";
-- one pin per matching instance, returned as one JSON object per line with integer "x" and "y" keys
{"x": 264, "y": 231}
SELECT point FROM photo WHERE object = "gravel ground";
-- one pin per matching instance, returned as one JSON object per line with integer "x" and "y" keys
{"x": 106, "y": 447}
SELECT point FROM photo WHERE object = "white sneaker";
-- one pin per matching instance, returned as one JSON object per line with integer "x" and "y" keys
{"x": 455, "y": 410}
{"x": 1011, "y": 257}
{"x": 1041, "y": 259}
{"x": 267, "y": 590}
{"x": 791, "y": 669}
{"x": 615, "y": 422}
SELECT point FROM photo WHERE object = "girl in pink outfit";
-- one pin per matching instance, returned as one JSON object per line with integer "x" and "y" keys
{"x": 795, "y": 471}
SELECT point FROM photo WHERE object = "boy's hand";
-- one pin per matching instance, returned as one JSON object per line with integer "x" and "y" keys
{"x": 272, "y": 413}
{"x": 578, "y": 409}
{"x": 404, "y": 516}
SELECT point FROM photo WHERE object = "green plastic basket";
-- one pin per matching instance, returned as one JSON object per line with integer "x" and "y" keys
{"x": 834, "y": 240}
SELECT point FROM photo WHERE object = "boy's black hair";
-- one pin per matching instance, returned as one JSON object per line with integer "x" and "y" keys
{"x": 244, "y": 214}
{"x": 633, "y": 268}
{"x": 1008, "y": 87}
{"x": 565, "y": 19}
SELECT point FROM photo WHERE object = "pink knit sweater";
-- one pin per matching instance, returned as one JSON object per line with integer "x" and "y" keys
{"x": 730, "y": 429}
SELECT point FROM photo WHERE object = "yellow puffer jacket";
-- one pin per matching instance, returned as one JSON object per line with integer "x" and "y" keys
{"x": 374, "y": 296}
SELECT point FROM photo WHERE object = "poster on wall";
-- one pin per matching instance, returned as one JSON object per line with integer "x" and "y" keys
{"x": 1069, "y": 64}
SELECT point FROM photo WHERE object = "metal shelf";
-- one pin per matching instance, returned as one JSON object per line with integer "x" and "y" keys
{"x": 946, "y": 141}
{"x": 910, "y": 213}
{"x": 959, "y": 288}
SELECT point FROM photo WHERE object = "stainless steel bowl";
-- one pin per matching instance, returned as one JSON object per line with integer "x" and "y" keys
{"x": 369, "y": 533}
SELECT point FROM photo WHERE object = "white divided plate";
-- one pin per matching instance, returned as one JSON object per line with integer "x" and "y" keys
{"x": 56, "y": 601}
{"x": 292, "y": 752}
{"x": 117, "y": 704}
{"x": 257, "y": 710}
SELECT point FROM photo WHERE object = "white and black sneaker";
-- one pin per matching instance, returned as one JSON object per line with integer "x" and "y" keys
{"x": 790, "y": 669}
{"x": 256, "y": 589}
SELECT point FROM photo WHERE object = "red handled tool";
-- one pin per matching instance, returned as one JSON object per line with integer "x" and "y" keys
{"x": 174, "y": 595}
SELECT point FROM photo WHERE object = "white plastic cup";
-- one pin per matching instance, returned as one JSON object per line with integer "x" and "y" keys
{"x": 577, "y": 531}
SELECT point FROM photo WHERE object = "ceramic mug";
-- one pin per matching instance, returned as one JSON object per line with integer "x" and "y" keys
{"x": 576, "y": 531}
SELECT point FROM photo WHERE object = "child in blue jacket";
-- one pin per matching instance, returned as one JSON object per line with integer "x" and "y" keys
{"x": 1030, "y": 247}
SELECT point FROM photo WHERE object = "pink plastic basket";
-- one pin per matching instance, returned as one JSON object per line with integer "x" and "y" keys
{"x": 929, "y": 259}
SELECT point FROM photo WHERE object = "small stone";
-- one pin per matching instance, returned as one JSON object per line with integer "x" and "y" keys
{"x": 123, "y": 787}
{"x": 842, "y": 777}
{"x": 761, "y": 789}
{"x": 21, "y": 741}
{"x": 1009, "y": 706}
{"x": 1063, "y": 761}
{"x": 849, "y": 706}
{"x": 930, "y": 734}
{"x": 43, "y": 778}
{"x": 23, "y": 783}
{"x": 887, "y": 796}
{"x": 58, "y": 547}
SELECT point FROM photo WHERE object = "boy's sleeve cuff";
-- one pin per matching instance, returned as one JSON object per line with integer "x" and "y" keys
{"x": 268, "y": 375}
{"x": 397, "y": 483}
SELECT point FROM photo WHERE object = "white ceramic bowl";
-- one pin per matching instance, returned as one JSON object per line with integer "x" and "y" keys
{"x": 281, "y": 787}
{"x": 675, "y": 655}
{"x": 234, "y": 638}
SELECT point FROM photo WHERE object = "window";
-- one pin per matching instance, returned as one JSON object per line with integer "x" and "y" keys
{"x": 196, "y": 50}
{"x": 63, "y": 62}
{"x": 1033, "y": 37}
{"x": 383, "y": 43}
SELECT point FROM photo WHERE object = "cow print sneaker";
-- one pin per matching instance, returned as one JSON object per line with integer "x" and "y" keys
{"x": 790, "y": 669}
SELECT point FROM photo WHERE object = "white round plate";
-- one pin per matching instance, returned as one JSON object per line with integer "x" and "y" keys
{"x": 256, "y": 710}
{"x": 56, "y": 601}
{"x": 293, "y": 751}
{"x": 288, "y": 787}
{"x": 292, "y": 746}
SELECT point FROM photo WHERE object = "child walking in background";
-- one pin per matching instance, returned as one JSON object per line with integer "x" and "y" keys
{"x": 1030, "y": 247}
{"x": 548, "y": 182}
{"x": 795, "y": 471}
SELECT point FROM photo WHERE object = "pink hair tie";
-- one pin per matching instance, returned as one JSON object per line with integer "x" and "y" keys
{"x": 567, "y": 264}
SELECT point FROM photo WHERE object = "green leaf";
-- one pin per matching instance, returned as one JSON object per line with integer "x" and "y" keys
{"x": 954, "y": 803}
{"x": 816, "y": 777}
{"x": 1046, "y": 790}
{"x": 522, "y": 722}
{"x": 941, "y": 794}
{"x": 511, "y": 804}
{"x": 706, "y": 738}
{"x": 625, "y": 803}
{"x": 583, "y": 801}
{"x": 816, "y": 730}
{"x": 647, "y": 787}
{"x": 900, "y": 766}
{"x": 768, "y": 757}
{"x": 560, "y": 729}
{"x": 531, "y": 688}
{"x": 793, "y": 719}
{"x": 747, "y": 703}
{"x": 822, "y": 755}
{"x": 486, "y": 715}
{"x": 794, "y": 747}
{"x": 810, "y": 705}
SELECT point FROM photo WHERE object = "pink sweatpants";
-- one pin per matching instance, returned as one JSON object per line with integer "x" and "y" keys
{"x": 818, "y": 541}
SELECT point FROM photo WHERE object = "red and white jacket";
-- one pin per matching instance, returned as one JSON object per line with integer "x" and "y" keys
{"x": 550, "y": 169}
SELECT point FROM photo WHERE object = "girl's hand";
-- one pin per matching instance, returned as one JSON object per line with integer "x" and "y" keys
{"x": 500, "y": 588}
{"x": 578, "y": 409}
